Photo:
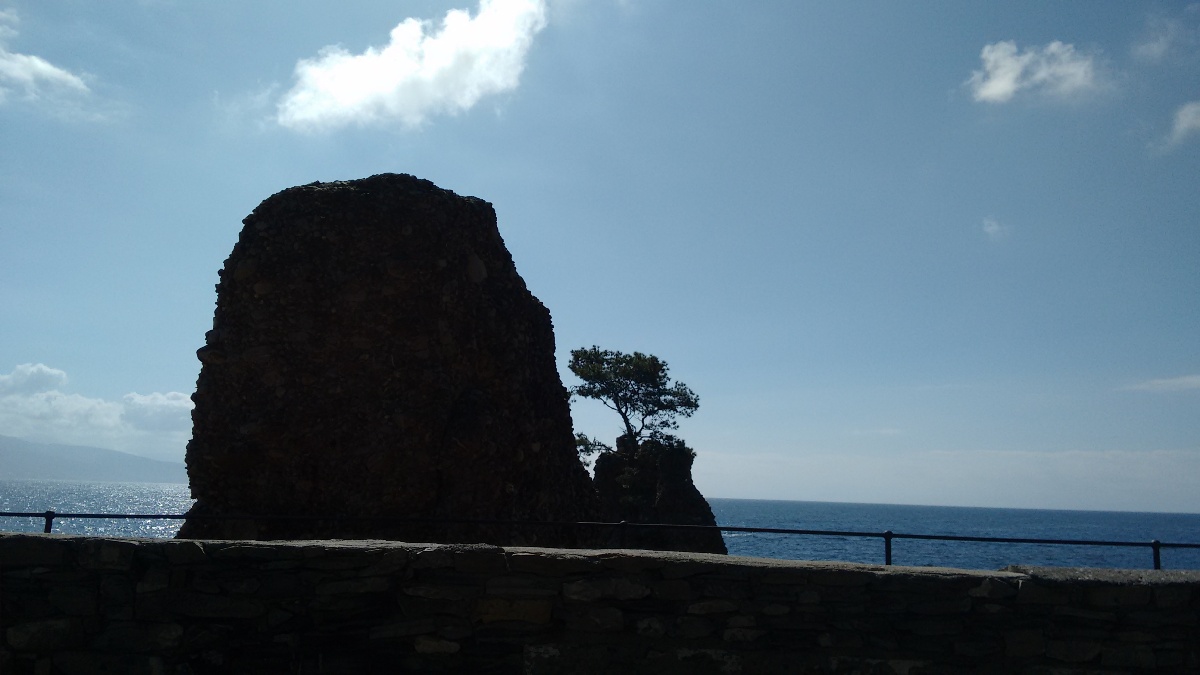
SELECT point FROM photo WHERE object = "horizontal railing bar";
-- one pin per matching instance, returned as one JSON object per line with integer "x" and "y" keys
{"x": 1022, "y": 540}
{"x": 57, "y": 515}
{"x": 722, "y": 528}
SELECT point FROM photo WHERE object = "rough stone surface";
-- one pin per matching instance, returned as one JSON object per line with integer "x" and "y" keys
{"x": 651, "y": 482}
{"x": 378, "y": 606}
{"x": 375, "y": 355}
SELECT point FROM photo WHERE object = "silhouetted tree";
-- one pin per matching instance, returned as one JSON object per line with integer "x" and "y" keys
{"x": 587, "y": 446}
{"x": 637, "y": 387}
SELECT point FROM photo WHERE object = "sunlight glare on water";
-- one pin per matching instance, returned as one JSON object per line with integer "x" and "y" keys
{"x": 30, "y": 496}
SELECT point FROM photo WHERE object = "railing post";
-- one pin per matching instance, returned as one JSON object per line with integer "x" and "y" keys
{"x": 1156, "y": 546}
{"x": 887, "y": 547}
{"x": 621, "y": 534}
{"x": 49, "y": 516}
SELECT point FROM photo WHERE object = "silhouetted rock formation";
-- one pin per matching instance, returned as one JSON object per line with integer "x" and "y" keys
{"x": 375, "y": 354}
{"x": 652, "y": 483}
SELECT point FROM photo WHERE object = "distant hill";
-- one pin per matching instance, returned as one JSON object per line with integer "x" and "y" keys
{"x": 26, "y": 460}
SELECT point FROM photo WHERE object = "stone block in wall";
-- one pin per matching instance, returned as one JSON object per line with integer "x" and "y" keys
{"x": 742, "y": 634}
{"x": 47, "y": 635}
{"x": 594, "y": 619}
{"x": 526, "y": 610}
{"x": 1120, "y": 596}
{"x": 107, "y": 554}
{"x": 671, "y": 589}
{"x": 88, "y": 662}
{"x": 522, "y": 586}
{"x": 587, "y": 590}
{"x": 690, "y": 627}
{"x": 1084, "y": 617}
{"x": 936, "y": 605}
{"x": 1073, "y": 651}
{"x": 468, "y": 558}
{"x": 927, "y": 627}
{"x": 562, "y": 563}
{"x": 139, "y": 636}
{"x": 993, "y": 589}
{"x": 425, "y": 644}
{"x": 75, "y": 600}
{"x": 1172, "y": 597}
{"x": 1032, "y": 593}
{"x": 1137, "y": 657}
{"x": 979, "y": 650}
{"x": 212, "y": 606}
{"x": 31, "y": 552}
{"x": 443, "y": 592}
{"x": 715, "y": 606}
{"x": 403, "y": 629}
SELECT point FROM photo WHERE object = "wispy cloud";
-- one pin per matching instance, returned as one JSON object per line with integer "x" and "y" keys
{"x": 1186, "y": 124}
{"x": 1170, "y": 384}
{"x": 995, "y": 230}
{"x": 31, "y": 78}
{"x": 1161, "y": 35}
{"x": 1165, "y": 36}
{"x": 255, "y": 109}
{"x": 1056, "y": 70}
{"x": 420, "y": 73}
{"x": 33, "y": 406}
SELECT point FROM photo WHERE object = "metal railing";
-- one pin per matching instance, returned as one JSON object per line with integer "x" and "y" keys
{"x": 622, "y": 527}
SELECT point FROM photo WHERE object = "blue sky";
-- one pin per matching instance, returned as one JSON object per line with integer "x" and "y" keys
{"x": 932, "y": 253}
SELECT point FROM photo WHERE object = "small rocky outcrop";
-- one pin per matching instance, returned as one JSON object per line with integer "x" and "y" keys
{"x": 651, "y": 482}
{"x": 375, "y": 355}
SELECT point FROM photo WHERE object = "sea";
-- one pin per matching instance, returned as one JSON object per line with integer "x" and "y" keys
{"x": 29, "y": 496}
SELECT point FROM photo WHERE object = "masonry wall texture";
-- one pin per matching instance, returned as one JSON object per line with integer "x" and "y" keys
{"x": 375, "y": 354}
{"x": 83, "y": 605}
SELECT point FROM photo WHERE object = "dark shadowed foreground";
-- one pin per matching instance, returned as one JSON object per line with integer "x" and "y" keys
{"x": 75, "y": 604}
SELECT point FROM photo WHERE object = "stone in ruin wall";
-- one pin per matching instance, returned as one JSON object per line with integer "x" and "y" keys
{"x": 74, "y": 604}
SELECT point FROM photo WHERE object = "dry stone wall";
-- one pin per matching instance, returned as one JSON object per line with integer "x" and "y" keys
{"x": 84, "y": 605}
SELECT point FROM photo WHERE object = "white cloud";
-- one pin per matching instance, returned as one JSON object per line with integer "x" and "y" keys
{"x": 1186, "y": 124}
{"x": 58, "y": 415}
{"x": 995, "y": 230}
{"x": 159, "y": 412}
{"x": 32, "y": 406}
{"x": 1184, "y": 383}
{"x": 1056, "y": 70}
{"x": 419, "y": 73}
{"x": 32, "y": 78}
{"x": 32, "y": 378}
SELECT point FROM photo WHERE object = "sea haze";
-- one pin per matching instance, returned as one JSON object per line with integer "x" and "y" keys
{"x": 26, "y": 460}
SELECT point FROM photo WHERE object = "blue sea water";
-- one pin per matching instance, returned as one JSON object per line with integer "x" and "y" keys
{"x": 957, "y": 521}
{"x": 169, "y": 498}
